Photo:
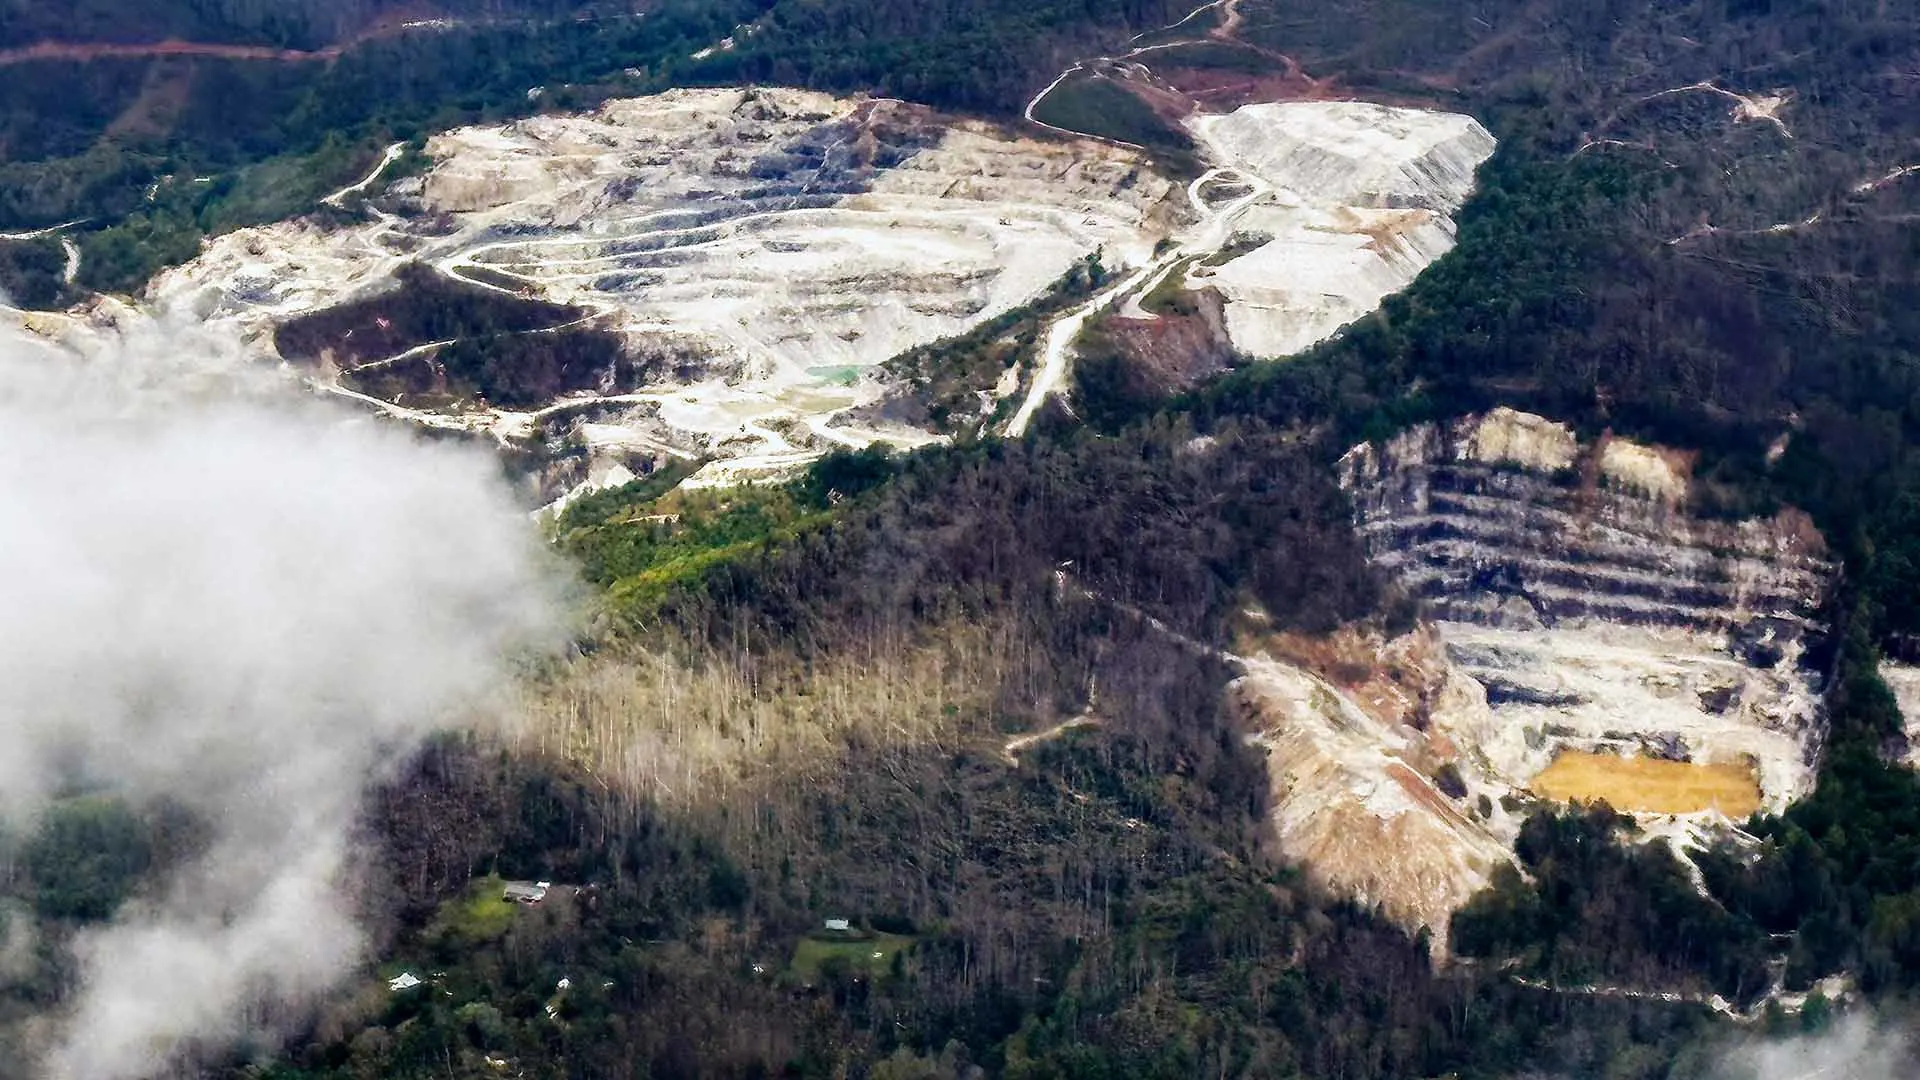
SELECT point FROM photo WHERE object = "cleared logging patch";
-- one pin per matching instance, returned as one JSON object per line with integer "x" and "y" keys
{"x": 1649, "y": 785}
{"x": 476, "y": 916}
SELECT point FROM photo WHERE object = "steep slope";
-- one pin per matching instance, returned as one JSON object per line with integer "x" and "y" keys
{"x": 1360, "y": 759}
{"x": 1904, "y": 681}
{"x": 1571, "y": 582}
{"x": 1588, "y": 639}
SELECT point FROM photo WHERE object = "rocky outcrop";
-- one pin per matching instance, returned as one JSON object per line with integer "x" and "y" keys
{"x": 763, "y": 250}
{"x": 1572, "y": 583}
{"x": 1588, "y": 637}
{"x": 761, "y": 253}
{"x": 1904, "y": 681}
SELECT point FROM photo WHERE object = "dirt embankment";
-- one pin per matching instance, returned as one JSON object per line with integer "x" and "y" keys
{"x": 405, "y": 19}
{"x": 85, "y": 52}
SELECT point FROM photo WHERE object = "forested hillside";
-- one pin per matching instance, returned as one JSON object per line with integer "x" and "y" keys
{"x": 1095, "y": 904}
{"x": 287, "y": 24}
{"x": 149, "y": 154}
{"x": 986, "y": 56}
{"x": 971, "y": 699}
{"x": 1648, "y": 255}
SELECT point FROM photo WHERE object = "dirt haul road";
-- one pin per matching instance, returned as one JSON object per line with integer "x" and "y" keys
{"x": 1351, "y": 202}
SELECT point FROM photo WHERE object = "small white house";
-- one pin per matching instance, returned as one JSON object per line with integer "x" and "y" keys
{"x": 406, "y": 980}
{"x": 839, "y": 926}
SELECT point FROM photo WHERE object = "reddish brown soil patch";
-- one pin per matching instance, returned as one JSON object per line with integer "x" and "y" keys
{"x": 1424, "y": 794}
{"x": 1798, "y": 524}
{"x": 1392, "y": 681}
{"x": 1167, "y": 101}
{"x": 1177, "y": 351}
{"x": 1222, "y": 90}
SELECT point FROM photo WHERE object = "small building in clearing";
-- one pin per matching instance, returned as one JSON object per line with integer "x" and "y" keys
{"x": 526, "y": 892}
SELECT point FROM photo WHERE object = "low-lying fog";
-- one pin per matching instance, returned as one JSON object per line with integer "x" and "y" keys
{"x": 226, "y": 595}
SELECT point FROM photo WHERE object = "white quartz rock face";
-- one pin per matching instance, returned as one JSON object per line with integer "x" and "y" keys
{"x": 1574, "y": 605}
{"x": 763, "y": 252}
{"x": 745, "y": 228}
{"x": 1509, "y": 437}
{"x": 1358, "y": 198}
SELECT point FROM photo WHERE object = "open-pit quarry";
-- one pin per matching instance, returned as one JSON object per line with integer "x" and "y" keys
{"x": 1587, "y": 639}
{"x": 757, "y": 256}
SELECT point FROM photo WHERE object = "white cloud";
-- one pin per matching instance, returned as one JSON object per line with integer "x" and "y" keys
{"x": 221, "y": 592}
{"x": 1856, "y": 1047}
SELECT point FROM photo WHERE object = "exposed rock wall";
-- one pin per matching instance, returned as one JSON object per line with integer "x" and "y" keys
{"x": 762, "y": 252}
{"x": 1572, "y": 583}
{"x": 1904, "y": 681}
{"x": 1575, "y": 605}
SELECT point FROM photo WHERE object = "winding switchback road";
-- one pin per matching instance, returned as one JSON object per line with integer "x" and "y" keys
{"x": 1208, "y": 235}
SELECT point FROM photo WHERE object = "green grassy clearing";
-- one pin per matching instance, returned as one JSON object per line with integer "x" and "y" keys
{"x": 476, "y": 916}
{"x": 1095, "y": 105}
{"x": 862, "y": 952}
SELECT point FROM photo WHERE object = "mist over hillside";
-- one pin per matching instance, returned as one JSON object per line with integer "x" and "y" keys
{"x": 244, "y": 608}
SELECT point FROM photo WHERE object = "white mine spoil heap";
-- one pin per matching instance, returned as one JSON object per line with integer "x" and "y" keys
{"x": 1358, "y": 199}
{"x": 1579, "y": 613}
{"x": 767, "y": 250}
{"x": 1351, "y": 778}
